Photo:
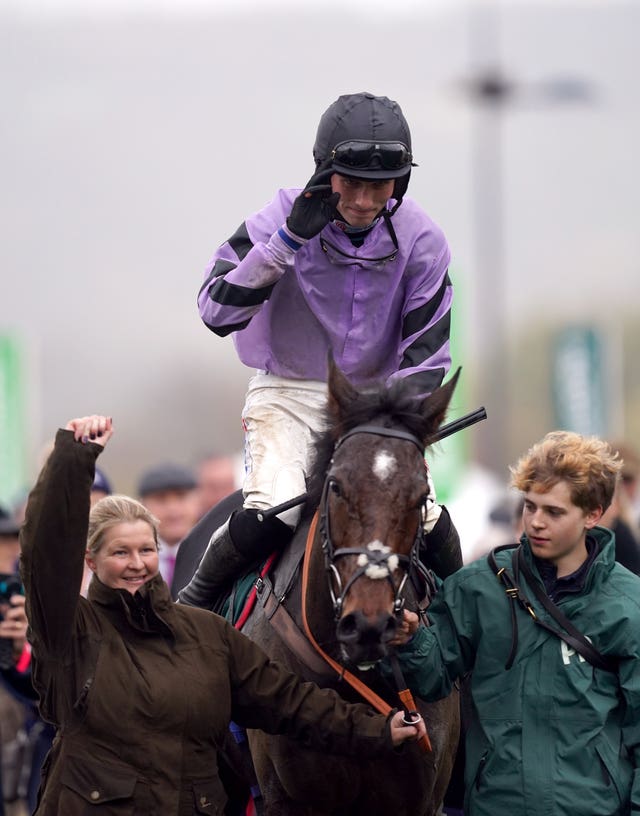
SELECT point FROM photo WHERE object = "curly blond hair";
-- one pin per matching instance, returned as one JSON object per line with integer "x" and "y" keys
{"x": 114, "y": 510}
{"x": 588, "y": 465}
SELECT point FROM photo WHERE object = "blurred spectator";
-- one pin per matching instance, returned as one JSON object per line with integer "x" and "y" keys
{"x": 101, "y": 487}
{"x": 9, "y": 543}
{"x": 194, "y": 545}
{"x": 504, "y": 527}
{"x": 217, "y": 477}
{"x": 621, "y": 517}
{"x": 13, "y": 714}
{"x": 476, "y": 495}
{"x": 169, "y": 492}
{"x": 32, "y": 739}
{"x": 630, "y": 483}
{"x": 25, "y": 737}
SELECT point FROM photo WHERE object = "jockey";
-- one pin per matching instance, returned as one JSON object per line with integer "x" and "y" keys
{"x": 338, "y": 268}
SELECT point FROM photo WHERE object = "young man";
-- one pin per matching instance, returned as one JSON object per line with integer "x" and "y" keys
{"x": 339, "y": 267}
{"x": 551, "y": 732}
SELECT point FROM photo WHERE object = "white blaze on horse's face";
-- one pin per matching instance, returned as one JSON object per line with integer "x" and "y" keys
{"x": 383, "y": 563}
{"x": 384, "y": 465}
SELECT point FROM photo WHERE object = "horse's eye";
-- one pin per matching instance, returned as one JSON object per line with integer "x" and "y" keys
{"x": 335, "y": 488}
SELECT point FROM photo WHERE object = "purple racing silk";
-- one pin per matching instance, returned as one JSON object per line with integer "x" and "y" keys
{"x": 384, "y": 313}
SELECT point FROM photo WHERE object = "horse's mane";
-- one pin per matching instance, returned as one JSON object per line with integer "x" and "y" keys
{"x": 390, "y": 406}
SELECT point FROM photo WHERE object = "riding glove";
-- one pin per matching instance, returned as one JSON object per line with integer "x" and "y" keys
{"x": 433, "y": 508}
{"x": 314, "y": 207}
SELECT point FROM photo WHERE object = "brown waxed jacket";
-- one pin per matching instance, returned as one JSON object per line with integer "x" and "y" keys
{"x": 141, "y": 689}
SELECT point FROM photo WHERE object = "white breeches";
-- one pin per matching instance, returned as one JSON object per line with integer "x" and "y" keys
{"x": 280, "y": 417}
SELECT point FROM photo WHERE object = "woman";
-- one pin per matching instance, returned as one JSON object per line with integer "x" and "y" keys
{"x": 141, "y": 690}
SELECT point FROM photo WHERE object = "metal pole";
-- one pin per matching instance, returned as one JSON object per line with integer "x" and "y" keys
{"x": 491, "y": 92}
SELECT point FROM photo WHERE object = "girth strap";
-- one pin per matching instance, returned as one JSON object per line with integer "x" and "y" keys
{"x": 287, "y": 628}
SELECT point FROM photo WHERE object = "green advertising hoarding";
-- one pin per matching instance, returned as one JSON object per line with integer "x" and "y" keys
{"x": 12, "y": 421}
{"x": 448, "y": 458}
{"x": 578, "y": 371}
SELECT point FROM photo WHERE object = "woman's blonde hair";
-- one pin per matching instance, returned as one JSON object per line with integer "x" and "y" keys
{"x": 114, "y": 510}
{"x": 586, "y": 463}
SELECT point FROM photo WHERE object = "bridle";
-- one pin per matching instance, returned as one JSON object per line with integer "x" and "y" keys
{"x": 374, "y": 561}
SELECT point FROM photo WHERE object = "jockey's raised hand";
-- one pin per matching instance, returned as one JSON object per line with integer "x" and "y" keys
{"x": 314, "y": 207}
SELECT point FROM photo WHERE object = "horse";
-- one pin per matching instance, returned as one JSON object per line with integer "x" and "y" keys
{"x": 342, "y": 587}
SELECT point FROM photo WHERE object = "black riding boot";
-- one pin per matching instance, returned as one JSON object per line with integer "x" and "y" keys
{"x": 241, "y": 543}
{"x": 441, "y": 551}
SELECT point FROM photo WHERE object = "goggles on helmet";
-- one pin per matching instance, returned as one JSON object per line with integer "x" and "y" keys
{"x": 358, "y": 154}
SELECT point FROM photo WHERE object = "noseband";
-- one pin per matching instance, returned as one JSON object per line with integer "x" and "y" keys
{"x": 376, "y": 560}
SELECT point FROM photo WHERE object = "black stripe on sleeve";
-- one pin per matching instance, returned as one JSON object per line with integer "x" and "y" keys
{"x": 231, "y": 294}
{"x": 223, "y": 331}
{"x": 420, "y": 317}
{"x": 428, "y": 343}
{"x": 240, "y": 242}
{"x": 220, "y": 267}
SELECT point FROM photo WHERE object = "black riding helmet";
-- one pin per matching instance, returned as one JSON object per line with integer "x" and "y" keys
{"x": 368, "y": 137}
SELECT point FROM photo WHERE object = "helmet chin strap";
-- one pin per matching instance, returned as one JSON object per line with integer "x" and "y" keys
{"x": 385, "y": 214}
{"x": 387, "y": 220}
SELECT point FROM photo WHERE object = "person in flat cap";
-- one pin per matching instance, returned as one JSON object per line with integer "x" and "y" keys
{"x": 169, "y": 491}
{"x": 10, "y": 587}
{"x": 9, "y": 544}
{"x": 101, "y": 486}
{"x": 350, "y": 267}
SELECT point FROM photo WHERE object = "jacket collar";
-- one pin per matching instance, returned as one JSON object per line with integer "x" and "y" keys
{"x": 602, "y": 562}
{"x": 149, "y": 609}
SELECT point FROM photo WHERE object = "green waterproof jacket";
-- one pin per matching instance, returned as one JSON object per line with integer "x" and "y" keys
{"x": 551, "y": 736}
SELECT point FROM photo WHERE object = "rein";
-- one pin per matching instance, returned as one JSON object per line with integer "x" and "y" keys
{"x": 378, "y": 430}
{"x": 363, "y": 690}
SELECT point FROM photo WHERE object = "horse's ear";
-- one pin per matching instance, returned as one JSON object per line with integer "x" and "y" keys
{"x": 434, "y": 407}
{"x": 341, "y": 393}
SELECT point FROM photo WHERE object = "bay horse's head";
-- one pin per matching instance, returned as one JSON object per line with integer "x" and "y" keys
{"x": 373, "y": 505}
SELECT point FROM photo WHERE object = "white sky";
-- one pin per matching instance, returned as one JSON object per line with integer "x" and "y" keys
{"x": 183, "y": 5}
{"x": 117, "y": 182}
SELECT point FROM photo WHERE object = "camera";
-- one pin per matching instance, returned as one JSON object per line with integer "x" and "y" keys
{"x": 10, "y": 585}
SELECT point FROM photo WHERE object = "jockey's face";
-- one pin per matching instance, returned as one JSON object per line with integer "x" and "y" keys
{"x": 360, "y": 200}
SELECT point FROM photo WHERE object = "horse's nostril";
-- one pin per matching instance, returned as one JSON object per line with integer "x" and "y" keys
{"x": 347, "y": 629}
{"x": 356, "y": 628}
